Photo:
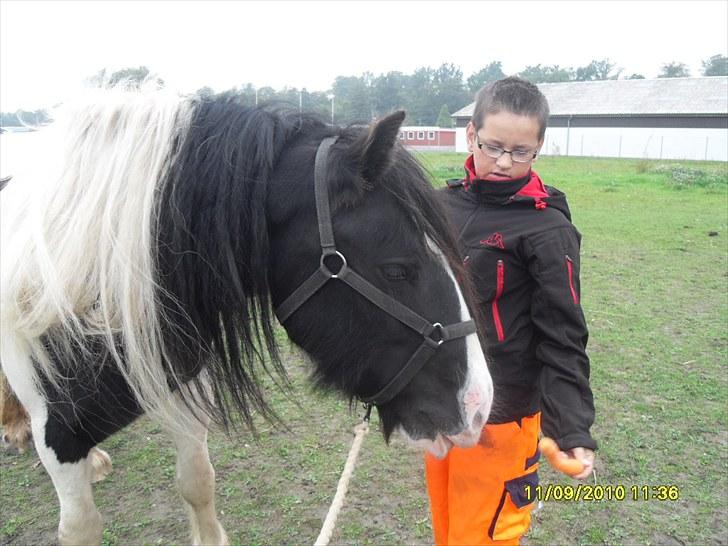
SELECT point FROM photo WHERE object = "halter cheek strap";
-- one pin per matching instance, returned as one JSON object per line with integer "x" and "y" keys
{"x": 434, "y": 334}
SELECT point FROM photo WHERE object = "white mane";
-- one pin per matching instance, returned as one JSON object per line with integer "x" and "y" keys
{"x": 76, "y": 237}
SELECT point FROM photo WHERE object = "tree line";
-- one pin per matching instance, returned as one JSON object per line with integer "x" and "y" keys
{"x": 23, "y": 117}
{"x": 429, "y": 95}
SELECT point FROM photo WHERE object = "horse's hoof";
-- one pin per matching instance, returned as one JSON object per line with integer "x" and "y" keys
{"x": 101, "y": 464}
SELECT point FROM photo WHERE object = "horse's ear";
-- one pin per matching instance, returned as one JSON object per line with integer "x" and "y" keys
{"x": 377, "y": 150}
{"x": 365, "y": 160}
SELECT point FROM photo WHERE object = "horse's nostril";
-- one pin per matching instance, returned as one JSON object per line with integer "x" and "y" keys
{"x": 6, "y": 440}
{"x": 478, "y": 420}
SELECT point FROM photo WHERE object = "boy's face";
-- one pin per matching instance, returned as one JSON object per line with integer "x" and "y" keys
{"x": 509, "y": 131}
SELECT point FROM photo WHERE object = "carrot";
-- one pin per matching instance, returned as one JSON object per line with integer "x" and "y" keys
{"x": 570, "y": 467}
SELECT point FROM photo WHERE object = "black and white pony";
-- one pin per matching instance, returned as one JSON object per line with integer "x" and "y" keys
{"x": 143, "y": 259}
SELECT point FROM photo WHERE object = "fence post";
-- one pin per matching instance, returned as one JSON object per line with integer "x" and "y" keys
{"x": 662, "y": 138}
{"x": 706, "y": 148}
{"x": 568, "y": 133}
{"x": 619, "y": 154}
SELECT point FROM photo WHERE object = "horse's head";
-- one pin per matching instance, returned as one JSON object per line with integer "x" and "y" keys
{"x": 391, "y": 232}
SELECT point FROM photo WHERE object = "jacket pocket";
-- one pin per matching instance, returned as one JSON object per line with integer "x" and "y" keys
{"x": 500, "y": 282}
{"x": 513, "y": 515}
{"x": 570, "y": 271}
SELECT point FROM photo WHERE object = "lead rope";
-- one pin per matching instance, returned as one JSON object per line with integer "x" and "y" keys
{"x": 327, "y": 530}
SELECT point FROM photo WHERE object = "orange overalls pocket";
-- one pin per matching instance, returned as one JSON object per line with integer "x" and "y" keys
{"x": 513, "y": 515}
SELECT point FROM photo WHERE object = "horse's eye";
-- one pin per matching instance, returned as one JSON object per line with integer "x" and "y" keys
{"x": 394, "y": 272}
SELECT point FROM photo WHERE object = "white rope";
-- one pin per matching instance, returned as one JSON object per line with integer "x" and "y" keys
{"x": 328, "y": 528}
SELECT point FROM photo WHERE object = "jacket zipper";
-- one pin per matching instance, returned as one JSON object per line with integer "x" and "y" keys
{"x": 500, "y": 281}
{"x": 570, "y": 270}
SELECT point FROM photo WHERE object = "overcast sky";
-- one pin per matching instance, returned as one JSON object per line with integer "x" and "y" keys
{"x": 48, "y": 48}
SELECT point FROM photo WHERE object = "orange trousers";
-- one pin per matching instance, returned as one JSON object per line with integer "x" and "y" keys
{"x": 485, "y": 494}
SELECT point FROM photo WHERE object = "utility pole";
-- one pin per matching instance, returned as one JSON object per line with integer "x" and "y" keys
{"x": 331, "y": 98}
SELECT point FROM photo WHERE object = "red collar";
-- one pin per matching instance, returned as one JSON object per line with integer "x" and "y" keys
{"x": 533, "y": 188}
{"x": 470, "y": 169}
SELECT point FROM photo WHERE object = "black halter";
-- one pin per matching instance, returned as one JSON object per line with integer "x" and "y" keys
{"x": 434, "y": 334}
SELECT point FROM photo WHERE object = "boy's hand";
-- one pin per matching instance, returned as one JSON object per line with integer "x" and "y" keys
{"x": 586, "y": 456}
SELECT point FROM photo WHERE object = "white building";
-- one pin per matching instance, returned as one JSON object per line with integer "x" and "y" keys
{"x": 666, "y": 118}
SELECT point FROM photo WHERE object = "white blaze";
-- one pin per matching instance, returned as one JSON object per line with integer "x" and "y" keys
{"x": 476, "y": 395}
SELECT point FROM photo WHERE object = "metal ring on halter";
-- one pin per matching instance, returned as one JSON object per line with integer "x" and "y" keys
{"x": 325, "y": 268}
{"x": 437, "y": 327}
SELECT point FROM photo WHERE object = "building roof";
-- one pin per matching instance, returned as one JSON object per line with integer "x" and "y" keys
{"x": 424, "y": 128}
{"x": 663, "y": 96}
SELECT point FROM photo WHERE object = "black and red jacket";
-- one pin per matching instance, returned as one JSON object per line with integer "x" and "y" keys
{"x": 517, "y": 240}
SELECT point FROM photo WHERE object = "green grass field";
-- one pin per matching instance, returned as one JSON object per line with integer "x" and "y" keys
{"x": 655, "y": 293}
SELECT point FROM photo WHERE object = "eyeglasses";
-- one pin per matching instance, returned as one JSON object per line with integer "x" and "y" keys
{"x": 518, "y": 156}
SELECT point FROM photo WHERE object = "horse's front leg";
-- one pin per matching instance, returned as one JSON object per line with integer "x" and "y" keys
{"x": 196, "y": 476}
{"x": 80, "y": 521}
{"x": 71, "y": 466}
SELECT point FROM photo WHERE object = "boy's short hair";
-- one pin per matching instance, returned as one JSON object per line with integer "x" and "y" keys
{"x": 514, "y": 95}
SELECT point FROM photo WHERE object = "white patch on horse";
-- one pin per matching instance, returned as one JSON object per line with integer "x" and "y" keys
{"x": 80, "y": 521}
{"x": 476, "y": 395}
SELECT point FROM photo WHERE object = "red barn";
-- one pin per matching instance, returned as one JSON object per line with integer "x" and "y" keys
{"x": 428, "y": 138}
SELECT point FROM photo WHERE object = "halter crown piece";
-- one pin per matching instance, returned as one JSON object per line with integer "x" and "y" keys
{"x": 434, "y": 334}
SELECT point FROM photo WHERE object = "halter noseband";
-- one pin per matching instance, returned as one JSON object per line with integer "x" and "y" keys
{"x": 434, "y": 334}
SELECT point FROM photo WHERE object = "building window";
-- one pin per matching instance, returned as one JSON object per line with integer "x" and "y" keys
{"x": 420, "y": 135}
{"x": 410, "y": 135}
{"x": 401, "y": 135}
{"x": 430, "y": 135}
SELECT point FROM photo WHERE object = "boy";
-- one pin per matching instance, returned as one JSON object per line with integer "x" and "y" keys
{"x": 517, "y": 240}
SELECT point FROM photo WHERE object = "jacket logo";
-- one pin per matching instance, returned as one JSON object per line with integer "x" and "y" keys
{"x": 495, "y": 240}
